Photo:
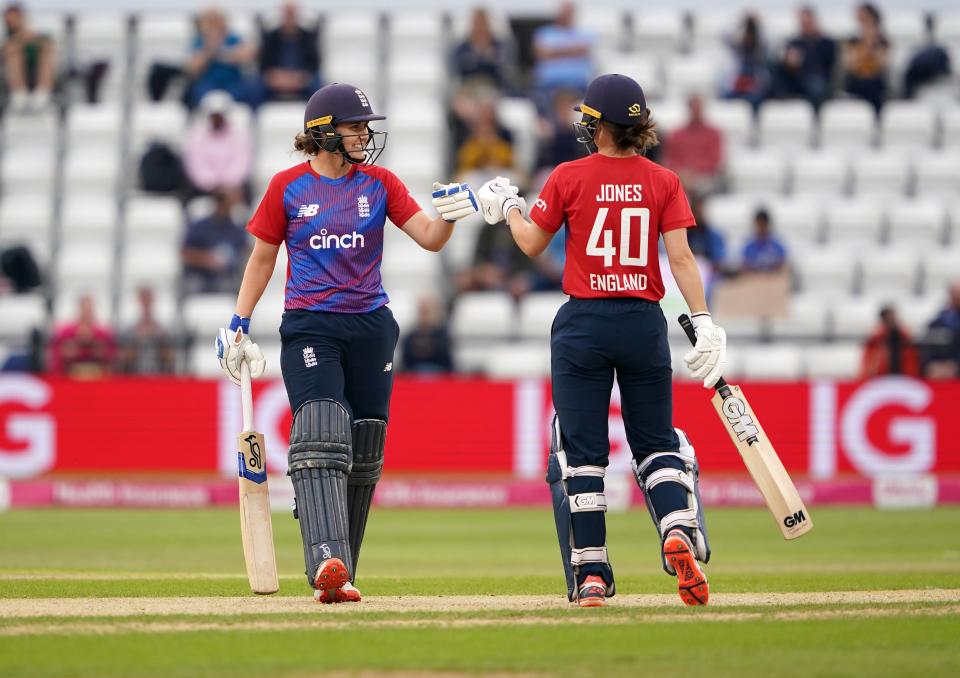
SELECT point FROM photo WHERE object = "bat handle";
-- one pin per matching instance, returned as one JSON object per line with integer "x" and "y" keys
{"x": 691, "y": 333}
{"x": 246, "y": 396}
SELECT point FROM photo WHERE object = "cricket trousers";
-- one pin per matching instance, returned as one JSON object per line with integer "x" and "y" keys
{"x": 592, "y": 342}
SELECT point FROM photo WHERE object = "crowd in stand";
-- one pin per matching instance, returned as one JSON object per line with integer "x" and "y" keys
{"x": 222, "y": 71}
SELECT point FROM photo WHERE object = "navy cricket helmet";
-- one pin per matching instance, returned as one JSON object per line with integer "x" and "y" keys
{"x": 615, "y": 98}
{"x": 338, "y": 103}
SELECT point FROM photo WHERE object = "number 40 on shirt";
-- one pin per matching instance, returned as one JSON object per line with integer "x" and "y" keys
{"x": 630, "y": 218}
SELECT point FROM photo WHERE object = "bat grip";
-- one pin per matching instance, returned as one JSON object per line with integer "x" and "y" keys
{"x": 246, "y": 396}
{"x": 691, "y": 333}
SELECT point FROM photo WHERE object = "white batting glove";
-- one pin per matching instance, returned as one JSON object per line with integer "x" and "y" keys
{"x": 497, "y": 197}
{"x": 454, "y": 201}
{"x": 708, "y": 358}
{"x": 234, "y": 347}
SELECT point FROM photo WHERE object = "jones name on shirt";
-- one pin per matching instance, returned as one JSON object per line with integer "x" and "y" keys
{"x": 620, "y": 193}
{"x": 610, "y": 282}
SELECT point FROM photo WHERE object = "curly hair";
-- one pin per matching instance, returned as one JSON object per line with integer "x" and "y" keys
{"x": 306, "y": 143}
{"x": 641, "y": 136}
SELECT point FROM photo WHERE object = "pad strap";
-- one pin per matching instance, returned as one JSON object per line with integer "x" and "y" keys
{"x": 591, "y": 554}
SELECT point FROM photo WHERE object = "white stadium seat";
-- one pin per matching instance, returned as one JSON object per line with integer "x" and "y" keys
{"x": 782, "y": 362}
{"x": 204, "y": 314}
{"x": 919, "y": 312}
{"x": 519, "y": 116}
{"x": 807, "y": 317}
{"x": 951, "y": 127}
{"x": 88, "y": 266}
{"x": 693, "y": 74}
{"x": 911, "y": 124}
{"x": 27, "y": 169}
{"x": 906, "y": 27}
{"x": 523, "y": 360}
{"x": 823, "y": 173}
{"x": 938, "y": 174}
{"x": 155, "y": 219}
{"x": 151, "y": 264}
{"x": 88, "y": 217}
{"x": 89, "y": 172}
{"x": 854, "y": 317}
{"x": 941, "y": 267}
{"x": 731, "y": 214}
{"x": 203, "y": 361}
{"x": 798, "y": 219}
{"x": 856, "y": 220}
{"x": 101, "y": 35}
{"x": 65, "y": 303}
{"x": 22, "y": 313}
{"x": 757, "y": 172}
{"x": 164, "y": 121}
{"x": 658, "y": 32}
{"x": 735, "y": 118}
{"x": 847, "y": 124}
{"x": 893, "y": 270}
{"x": 921, "y": 221}
{"x": 483, "y": 315}
{"x": 887, "y": 171}
{"x": 537, "y": 311}
{"x": 422, "y": 28}
{"x": 831, "y": 271}
{"x": 833, "y": 361}
{"x": 164, "y": 309}
{"x": 785, "y": 124}
{"x": 643, "y": 67}
{"x": 94, "y": 126}
{"x": 31, "y": 132}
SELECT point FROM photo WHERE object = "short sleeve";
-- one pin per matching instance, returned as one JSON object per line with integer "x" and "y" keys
{"x": 676, "y": 211}
{"x": 400, "y": 204}
{"x": 547, "y": 212}
{"x": 269, "y": 222}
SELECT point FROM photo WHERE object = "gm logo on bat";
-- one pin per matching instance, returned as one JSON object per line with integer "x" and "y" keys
{"x": 741, "y": 423}
{"x": 794, "y": 520}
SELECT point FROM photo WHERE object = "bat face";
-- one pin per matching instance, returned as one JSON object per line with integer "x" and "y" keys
{"x": 766, "y": 469}
{"x": 255, "y": 522}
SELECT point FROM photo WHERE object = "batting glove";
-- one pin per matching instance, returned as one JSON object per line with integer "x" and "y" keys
{"x": 497, "y": 197}
{"x": 233, "y": 346}
{"x": 708, "y": 358}
{"x": 454, "y": 201}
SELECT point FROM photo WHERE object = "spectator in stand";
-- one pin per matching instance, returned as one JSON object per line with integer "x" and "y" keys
{"x": 427, "y": 347}
{"x": 145, "y": 347}
{"x": 482, "y": 57}
{"x": 750, "y": 76}
{"x": 214, "y": 249}
{"x": 498, "y": 264}
{"x": 705, "y": 241}
{"x": 890, "y": 349}
{"x": 696, "y": 151}
{"x": 19, "y": 272}
{"x": 807, "y": 67}
{"x": 488, "y": 146}
{"x": 217, "y": 150}
{"x": 558, "y": 140}
{"x": 928, "y": 65}
{"x": 763, "y": 253}
{"x": 865, "y": 58}
{"x": 941, "y": 358}
{"x": 218, "y": 60}
{"x": 29, "y": 62}
{"x": 290, "y": 59}
{"x": 562, "y": 53}
{"x": 83, "y": 348}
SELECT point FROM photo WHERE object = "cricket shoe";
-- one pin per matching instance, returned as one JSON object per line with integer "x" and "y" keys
{"x": 593, "y": 592}
{"x": 348, "y": 593}
{"x": 331, "y": 574}
{"x": 691, "y": 581}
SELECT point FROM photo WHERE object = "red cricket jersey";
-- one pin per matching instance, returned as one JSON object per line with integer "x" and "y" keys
{"x": 615, "y": 210}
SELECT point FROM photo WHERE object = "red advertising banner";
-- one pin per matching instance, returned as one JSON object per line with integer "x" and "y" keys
{"x": 889, "y": 426}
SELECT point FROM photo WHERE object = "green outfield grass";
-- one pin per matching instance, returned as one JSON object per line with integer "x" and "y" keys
{"x": 186, "y": 554}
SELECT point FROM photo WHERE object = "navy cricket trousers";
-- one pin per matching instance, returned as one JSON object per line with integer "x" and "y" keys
{"x": 592, "y": 341}
{"x": 347, "y": 357}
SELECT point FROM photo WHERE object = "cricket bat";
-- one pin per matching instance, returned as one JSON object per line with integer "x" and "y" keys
{"x": 771, "y": 478}
{"x": 255, "y": 524}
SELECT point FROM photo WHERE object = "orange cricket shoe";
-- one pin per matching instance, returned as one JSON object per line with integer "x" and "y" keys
{"x": 348, "y": 593}
{"x": 593, "y": 592}
{"x": 331, "y": 574}
{"x": 691, "y": 581}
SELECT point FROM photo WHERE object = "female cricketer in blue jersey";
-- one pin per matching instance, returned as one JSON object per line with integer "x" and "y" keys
{"x": 616, "y": 205}
{"x": 338, "y": 335}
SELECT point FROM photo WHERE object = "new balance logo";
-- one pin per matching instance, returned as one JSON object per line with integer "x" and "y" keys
{"x": 308, "y": 211}
{"x": 363, "y": 207}
{"x": 309, "y": 359}
{"x": 388, "y": 367}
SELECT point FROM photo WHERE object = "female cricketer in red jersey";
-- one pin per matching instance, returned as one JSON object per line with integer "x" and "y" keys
{"x": 338, "y": 335}
{"x": 616, "y": 205}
